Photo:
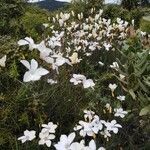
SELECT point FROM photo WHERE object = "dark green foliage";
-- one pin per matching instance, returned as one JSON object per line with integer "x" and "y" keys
{"x": 145, "y": 24}
{"x": 85, "y": 6}
{"x": 18, "y": 19}
{"x": 32, "y": 22}
{"x": 10, "y": 13}
{"x": 113, "y": 11}
{"x": 130, "y": 4}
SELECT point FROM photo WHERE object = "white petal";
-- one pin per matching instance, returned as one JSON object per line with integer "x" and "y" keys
{"x": 101, "y": 148}
{"x": 63, "y": 138}
{"x": 24, "y": 140}
{"x": 34, "y": 64}
{"x": 27, "y": 77}
{"x": 22, "y": 42}
{"x": 41, "y": 142}
{"x": 30, "y": 40}
{"x": 41, "y": 71}
{"x": 115, "y": 130}
{"x": 76, "y": 146}
{"x": 82, "y": 133}
{"x": 92, "y": 145}
{"x": 77, "y": 128}
{"x": 26, "y": 64}
{"x": 90, "y": 133}
{"x": 35, "y": 77}
{"x": 21, "y": 138}
{"x": 51, "y": 137}
{"x": 48, "y": 143}
{"x": 88, "y": 83}
{"x": 3, "y": 61}
{"x": 60, "y": 61}
{"x": 71, "y": 137}
{"x": 118, "y": 125}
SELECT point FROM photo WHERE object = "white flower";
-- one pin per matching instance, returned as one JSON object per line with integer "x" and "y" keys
{"x": 65, "y": 16}
{"x": 77, "y": 146}
{"x": 107, "y": 106}
{"x": 61, "y": 22}
{"x": 121, "y": 76}
{"x": 112, "y": 87}
{"x": 45, "y": 25}
{"x": 96, "y": 124}
{"x": 74, "y": 58}
{"x": 88, "y": 114}
{"x": 88, "y": 83}
{"x": 34, "y": 72}
{"x": 102, "y": 148}
{"x": 89, "y": 128}
{"x": 50, "y": 127}
{"x": 27, "y": 41}
{"x": 92, "y": 146}
{"x": 132, "y": 22}
{"x": 105, "y": 133}
{"x": 100, "y": 12}
{"x": 114, "y": 65}
{"x": 121, "y": 98}
{"x": 3, "y": 61}
{"x": 143, "y": 33}
{"x": 119, "y": 21}
{"x": 45, "y": 138}
{"x": 85, "y": 128}
{"x": 112, "y": 126}
{"x": 28, "y": 136}
{"x": 120, "y": 112}
{"x": 51, "y": 81}
{"x": 44, "y": 51}
{"x": 107, "y": 46}
{"x": 77, "y": 78}
{"x": 54, "y": 42}
{"x": 101, "y": 63}
{"x": 61, "y": 60}
{"x": 65, "y": 142}
{"x": 88, "y": 54}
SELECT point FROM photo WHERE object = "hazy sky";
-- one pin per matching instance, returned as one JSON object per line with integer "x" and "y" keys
{"x": 106, "y": 1}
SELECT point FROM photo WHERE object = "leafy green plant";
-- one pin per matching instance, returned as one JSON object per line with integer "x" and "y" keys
{"x": 145, "y": 24}
{"x": 11, "y": 11}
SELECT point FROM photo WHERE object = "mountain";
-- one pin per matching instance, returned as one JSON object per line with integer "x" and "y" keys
{"x": 50, "y": 4}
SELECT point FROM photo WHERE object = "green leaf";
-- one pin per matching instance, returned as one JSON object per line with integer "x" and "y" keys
{"x": 145, "y": 111}
{"x": 143, "y": 60}
{"x": 144, "y": 88}
{"x": 132, "y": 93}
{"x": 130, "y": 69}
{"x": 140, "y": 71}
{"x": 132, "y": 81}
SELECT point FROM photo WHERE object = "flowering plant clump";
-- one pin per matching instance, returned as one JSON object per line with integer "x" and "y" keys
{"x": 92, "y": 126}
{"x": 80, "y": 66}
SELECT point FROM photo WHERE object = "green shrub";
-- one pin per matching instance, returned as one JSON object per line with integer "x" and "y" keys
{"x": 129, "y": 4}
{"x": 114, "y": 11}
{"x": 32, "y": 21}
{"x": 11, "y": 11}
{"x": 145, "y": 24}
